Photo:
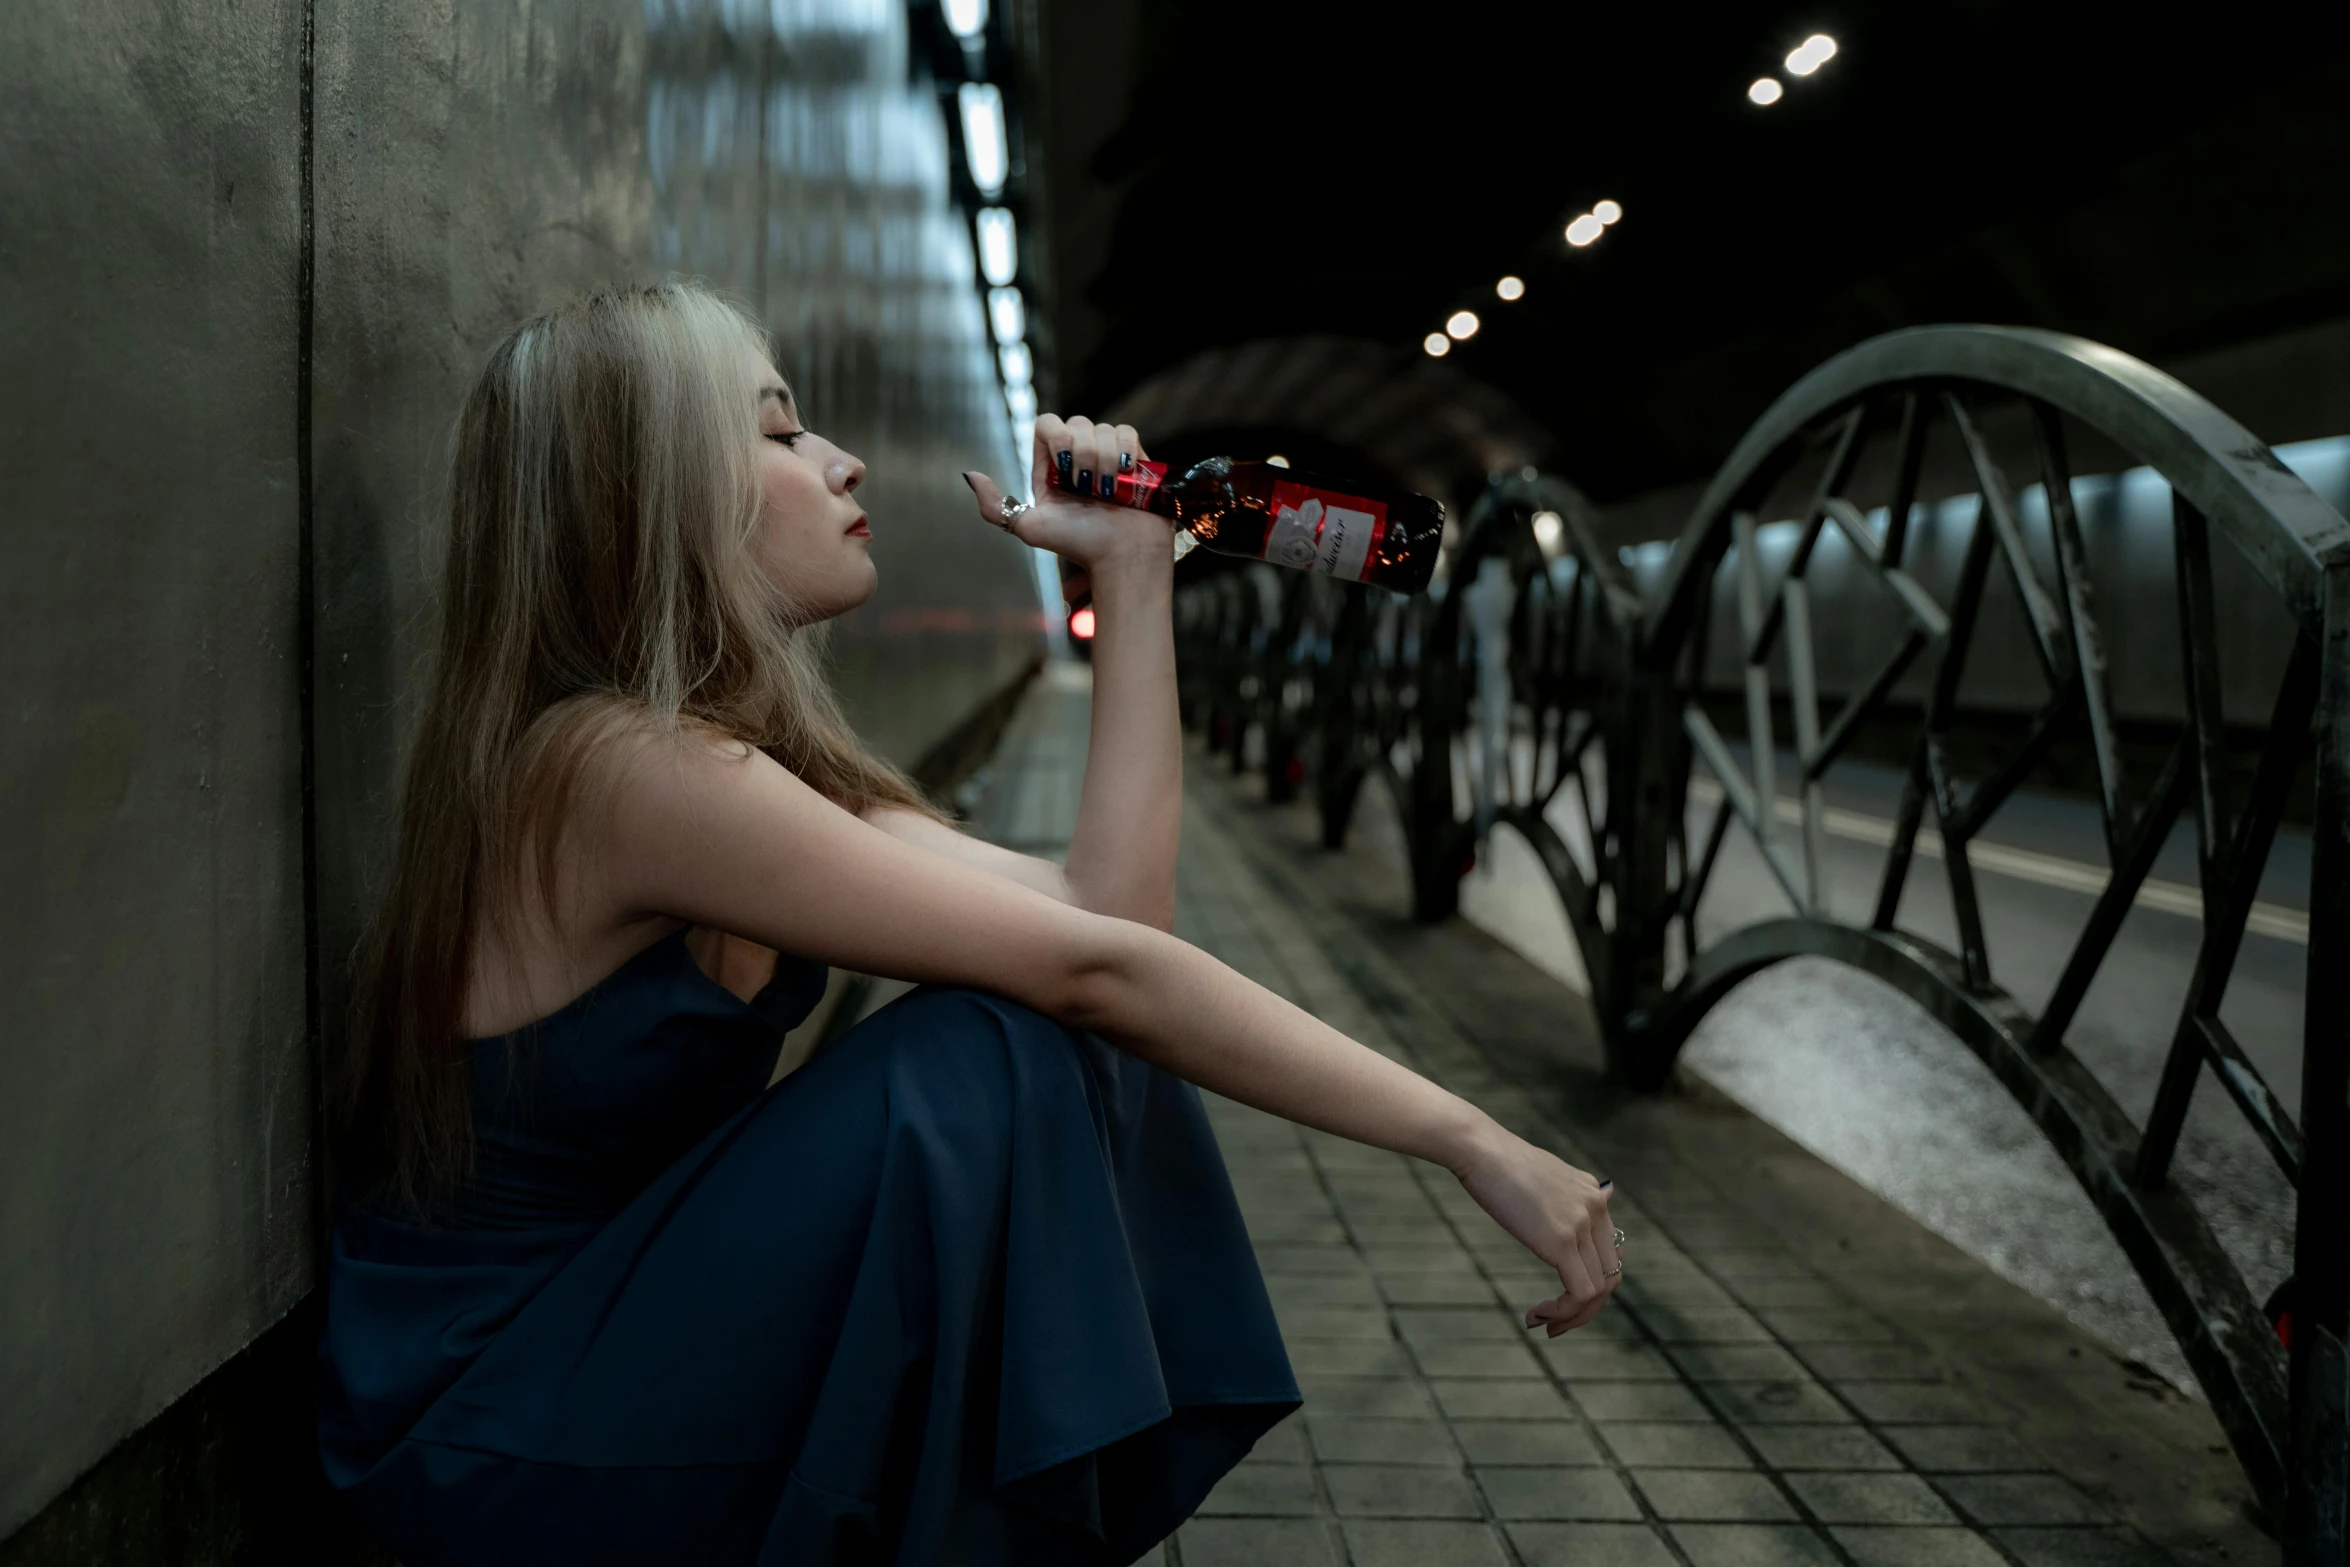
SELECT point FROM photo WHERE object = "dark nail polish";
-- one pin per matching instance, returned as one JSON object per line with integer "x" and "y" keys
{"x": 1604, "y": 1185}
{"x": 1125, "y": 461}
{"x": 974, "y": 483}
{"x": 1109, "y": 486}
{"x": 1061, "y": 460}
{"x": 1085, "y": 481}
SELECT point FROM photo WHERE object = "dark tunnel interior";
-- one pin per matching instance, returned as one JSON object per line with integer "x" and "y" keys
{"x": 1873, "y": 766}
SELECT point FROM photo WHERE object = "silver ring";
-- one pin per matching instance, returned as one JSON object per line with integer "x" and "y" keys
{"x": 1620, "y": 1238}
{"x": 1010, "y": 510}
{"x": 1609, "y": 1273}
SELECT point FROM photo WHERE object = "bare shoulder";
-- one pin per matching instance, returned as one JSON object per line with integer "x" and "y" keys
{"x": 690, "y": 823}
{"x": 677, "y": 825}
{"x": 628, "y": 753}
{"x": 550, "y": 926}
{"x": 668, "y": 788}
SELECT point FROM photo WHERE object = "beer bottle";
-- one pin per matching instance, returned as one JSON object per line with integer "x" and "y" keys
{"x": 1260, "y": 511}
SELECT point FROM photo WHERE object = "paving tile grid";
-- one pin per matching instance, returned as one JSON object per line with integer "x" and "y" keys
{"x": 1731, "y": 1407}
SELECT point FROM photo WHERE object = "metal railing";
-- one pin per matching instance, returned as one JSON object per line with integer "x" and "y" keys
{"x": 1543, "y": 687}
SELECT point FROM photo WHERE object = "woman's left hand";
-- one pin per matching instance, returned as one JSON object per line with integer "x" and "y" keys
{"x": 1072, "y": 516}
{"x": 1557, "y": 1212}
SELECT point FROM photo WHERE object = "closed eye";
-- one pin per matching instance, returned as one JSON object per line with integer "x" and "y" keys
{"x": 787, "y": 437}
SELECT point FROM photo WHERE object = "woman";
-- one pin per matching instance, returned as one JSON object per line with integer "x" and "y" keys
{"x": 970, "y": 1285}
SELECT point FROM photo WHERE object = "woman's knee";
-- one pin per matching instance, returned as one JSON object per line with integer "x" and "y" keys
{"x": 967, "y": 1064}
{"x": 955, "y": 1034}
{"x": 938, "y": 1014}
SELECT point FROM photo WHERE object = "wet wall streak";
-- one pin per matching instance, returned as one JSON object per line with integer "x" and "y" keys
{"x": 795, "y": 159}
{"x": 471, "y": 161}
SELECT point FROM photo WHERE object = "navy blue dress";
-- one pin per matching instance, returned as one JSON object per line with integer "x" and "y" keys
{"x": 967, "y": 1287}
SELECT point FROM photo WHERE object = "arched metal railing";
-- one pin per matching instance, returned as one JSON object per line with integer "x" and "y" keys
{"x": 1543, "y": 687}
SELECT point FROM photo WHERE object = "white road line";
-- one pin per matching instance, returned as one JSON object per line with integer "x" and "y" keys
{"x": 2048, "y": 870}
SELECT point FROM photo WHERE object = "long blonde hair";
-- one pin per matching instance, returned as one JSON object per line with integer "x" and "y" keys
{"x": 602, "y": 503}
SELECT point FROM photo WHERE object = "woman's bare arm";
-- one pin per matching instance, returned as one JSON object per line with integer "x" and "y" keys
{"x": 1130, "y": 812}
{"x": 1026, "y": 870}
{"x": 718, "y": 834}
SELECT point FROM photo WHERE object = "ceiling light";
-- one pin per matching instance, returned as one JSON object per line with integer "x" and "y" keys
{"x": 1007, "y": 314}
{"x": 1277, "y": 461}
{"x": 1019, "y": 366}
{"x": 984, "y": 142}
{"x": 1585, "y": 229}
{"x": 1437, "y": 344}
{"x": 1510, "y": 288}
{"x": 1081, "y": 623}
{"x": 1765, "y": 91}
{"x": 1547, "y": 529}
{"x": 1462, "y": 325}
{"x": 1809, "y": 55}
{"x": 1020, "y": 403}
{"x": 964, "y": 17}
{"x": 999, "y": 246}
{"x": 1607, "y": 211}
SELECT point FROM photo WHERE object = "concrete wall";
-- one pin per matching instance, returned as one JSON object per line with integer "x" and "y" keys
{"x": 203, "y": 396}
{"x": 154, "y": 1071}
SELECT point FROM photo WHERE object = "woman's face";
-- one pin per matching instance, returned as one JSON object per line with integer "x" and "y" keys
{"x": 813, "y": 541}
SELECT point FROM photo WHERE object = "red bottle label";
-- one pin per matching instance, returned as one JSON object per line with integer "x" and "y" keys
{"x": 1312, "y": 530}
{"x": 1137, "y": 488}
{"x": 1322, "y": 530}
{"x": 1127, "y": 489}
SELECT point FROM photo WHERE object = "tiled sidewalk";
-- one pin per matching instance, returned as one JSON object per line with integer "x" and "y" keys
{"x": 1683, "y": 1425}
{"x": 1734, "y": 1406}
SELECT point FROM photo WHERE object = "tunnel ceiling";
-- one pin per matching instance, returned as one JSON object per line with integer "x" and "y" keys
{"x": 1227, "y": 177}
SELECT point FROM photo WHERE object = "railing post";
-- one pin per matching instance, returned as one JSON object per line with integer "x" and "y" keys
{"x": 1336, "y": 767}
{"x": 1439, "y": 845}
{"x": 2317, "y": 1493}
{"x": 1643, "y": 748}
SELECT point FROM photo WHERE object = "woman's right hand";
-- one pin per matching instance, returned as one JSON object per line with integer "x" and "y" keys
{"x": 1083, "y": 525}
{"x": 1557, "y": 1212}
